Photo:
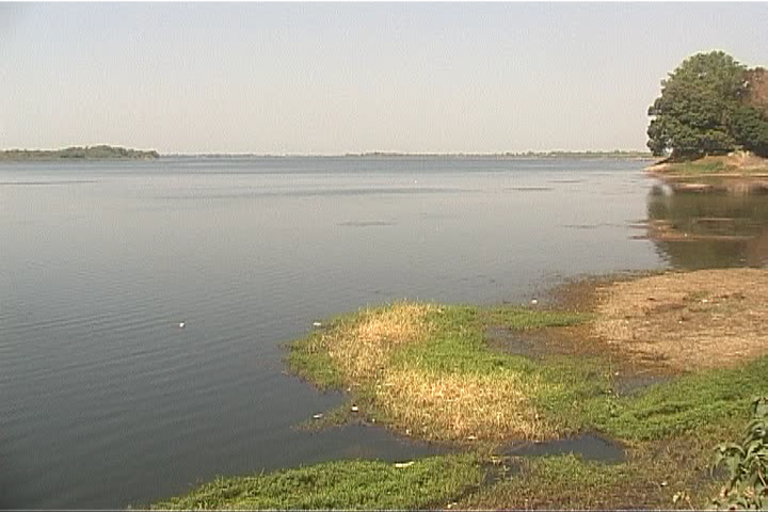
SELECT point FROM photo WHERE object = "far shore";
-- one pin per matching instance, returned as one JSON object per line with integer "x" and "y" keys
{"x": 105, "y": 152}
{"x": 101, "y": 152}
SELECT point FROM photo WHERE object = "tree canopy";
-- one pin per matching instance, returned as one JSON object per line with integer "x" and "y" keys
{"x": 711, "y": 104}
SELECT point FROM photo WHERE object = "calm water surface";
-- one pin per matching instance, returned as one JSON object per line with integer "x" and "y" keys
{"x": 106, "y": 402}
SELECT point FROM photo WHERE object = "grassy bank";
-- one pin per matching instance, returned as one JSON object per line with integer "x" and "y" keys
{"x": 457, "y": 374}
{"x": 346, "y": 485}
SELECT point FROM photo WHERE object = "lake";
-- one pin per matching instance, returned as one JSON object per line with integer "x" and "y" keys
{"x": 105, "y": 401}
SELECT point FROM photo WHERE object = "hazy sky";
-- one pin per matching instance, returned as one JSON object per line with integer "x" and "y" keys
{"x": 336, "y": 78}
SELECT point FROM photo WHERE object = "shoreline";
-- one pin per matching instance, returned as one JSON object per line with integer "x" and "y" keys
{"x": 736, "y": 173}
{"x": 440, "y": 372}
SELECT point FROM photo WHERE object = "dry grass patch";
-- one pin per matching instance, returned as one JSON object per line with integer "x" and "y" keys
{"x": 361, "y": 347}
{"x": 428, "y": 370}
{"x": 702, "y": 319}
{"x": 462, "y": 406}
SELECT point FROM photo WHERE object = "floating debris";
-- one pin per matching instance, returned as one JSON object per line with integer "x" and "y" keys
{"x": 317, "y": 416}
{"x": 317, "y": 324}
{"x": 403, "y": 464}
{"x": 534, "y": 301}
{"x": 182, "y": 325}
{"x": 354, "y": 408}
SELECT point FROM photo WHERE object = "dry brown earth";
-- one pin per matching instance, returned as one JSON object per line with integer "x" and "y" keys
{"x": 687, "y": 321}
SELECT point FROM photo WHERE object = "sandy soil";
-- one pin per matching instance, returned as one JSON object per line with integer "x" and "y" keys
{"x": 686, "y": 321}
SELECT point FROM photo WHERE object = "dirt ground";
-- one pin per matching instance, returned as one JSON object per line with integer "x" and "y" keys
{"x": 686, "y": 320}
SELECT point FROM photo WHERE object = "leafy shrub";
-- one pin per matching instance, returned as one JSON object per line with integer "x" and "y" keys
{"x": 747, "y": 464}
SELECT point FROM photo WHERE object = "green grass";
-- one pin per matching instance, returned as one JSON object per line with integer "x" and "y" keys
{"x": 700, "y": 167}
{"x": 710, "y": 399}
{"x": 310, "y": 360}
{"x": 457, "y": 343}
{"x": 346, "y": 485}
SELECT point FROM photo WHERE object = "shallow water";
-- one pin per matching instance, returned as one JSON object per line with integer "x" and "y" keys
{"x": 587, "y": 446}
{"x": 711, "y": 230}
{"x": 107, "y": 402}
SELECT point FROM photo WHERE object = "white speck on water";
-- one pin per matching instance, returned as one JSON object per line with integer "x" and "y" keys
{"x": 182, "y": 325}
{"x": 317, "y": 324}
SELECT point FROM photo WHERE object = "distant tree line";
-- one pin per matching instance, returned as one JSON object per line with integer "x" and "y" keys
{"x": 101, "y": 152}
{"x": 711, "y": 104}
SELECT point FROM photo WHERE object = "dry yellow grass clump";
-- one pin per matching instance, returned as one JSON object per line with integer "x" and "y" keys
{"x": 362, "y": 347}
{"x": 441, "y": 404}
{"x": 462, "y": 407}
{"x": 702, "y": 319}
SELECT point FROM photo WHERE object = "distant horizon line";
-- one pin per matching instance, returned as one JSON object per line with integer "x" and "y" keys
{"x": 550, "y": 152}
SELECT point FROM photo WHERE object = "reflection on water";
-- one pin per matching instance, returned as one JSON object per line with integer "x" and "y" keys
{"x": 693, "y": 230}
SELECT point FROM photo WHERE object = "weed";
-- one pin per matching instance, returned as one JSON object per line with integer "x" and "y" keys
{"x": 747, "y": 464}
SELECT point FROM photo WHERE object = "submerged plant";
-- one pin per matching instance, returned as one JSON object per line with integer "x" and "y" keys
{"x": 747, "y": 464}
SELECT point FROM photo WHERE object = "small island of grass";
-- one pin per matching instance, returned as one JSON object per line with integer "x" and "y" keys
{"x": 101, "y": 152}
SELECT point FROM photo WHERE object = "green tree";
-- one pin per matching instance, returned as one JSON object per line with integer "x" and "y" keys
{"x": 750, "y": 128}
{"x": 691, "y": 117}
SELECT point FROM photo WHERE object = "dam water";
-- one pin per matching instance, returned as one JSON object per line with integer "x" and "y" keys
{"x": 106, "y": 402}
